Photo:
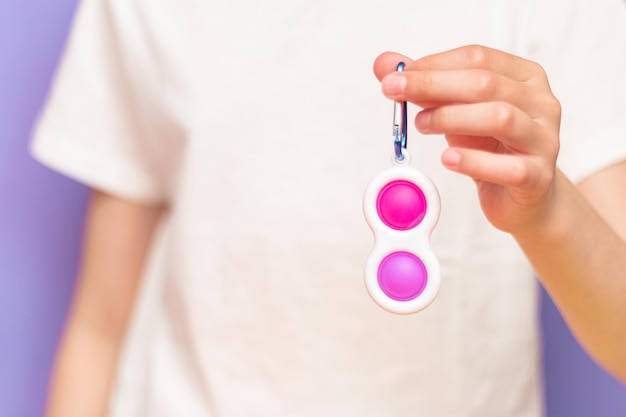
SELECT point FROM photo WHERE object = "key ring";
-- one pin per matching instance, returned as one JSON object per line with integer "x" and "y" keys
{"x": 400, "y": 124}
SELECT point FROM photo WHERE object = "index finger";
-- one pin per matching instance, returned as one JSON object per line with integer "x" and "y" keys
{"x": 479, "y": 57}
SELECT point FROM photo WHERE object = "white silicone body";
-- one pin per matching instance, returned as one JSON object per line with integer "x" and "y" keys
{"x": 415, "y": 240}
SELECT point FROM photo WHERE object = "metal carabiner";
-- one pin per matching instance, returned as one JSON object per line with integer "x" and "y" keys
{"x": 399, "y": 124}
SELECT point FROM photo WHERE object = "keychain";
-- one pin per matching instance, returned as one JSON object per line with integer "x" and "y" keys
{"x": 401, "y": 206}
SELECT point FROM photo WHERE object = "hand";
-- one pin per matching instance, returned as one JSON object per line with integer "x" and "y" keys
{"x": 499, "y": 117}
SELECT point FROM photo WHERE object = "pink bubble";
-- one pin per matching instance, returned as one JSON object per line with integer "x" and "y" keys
{"x": 402, "y": 276}
{"x": 401, "y": 205}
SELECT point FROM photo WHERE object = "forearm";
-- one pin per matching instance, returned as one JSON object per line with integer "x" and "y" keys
{"x": 83, "y": 375}
{"x": 581, "y": 261}
{"x": 118, "y": 235}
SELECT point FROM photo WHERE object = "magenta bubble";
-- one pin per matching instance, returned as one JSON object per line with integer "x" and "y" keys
{"x": 402, "y": 276}
{"x": 401, "y": 205}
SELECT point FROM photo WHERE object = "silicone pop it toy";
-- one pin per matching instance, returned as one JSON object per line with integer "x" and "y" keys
{"x": 401, "y": 206}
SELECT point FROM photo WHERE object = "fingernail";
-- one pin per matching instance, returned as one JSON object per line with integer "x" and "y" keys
{"x": 393, "y": 84}
{"x": 451, "y": 158}
{"x": 422, "y": 121}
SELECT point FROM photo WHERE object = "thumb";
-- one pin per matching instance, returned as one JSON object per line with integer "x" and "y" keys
{"x": 387, "y": 63}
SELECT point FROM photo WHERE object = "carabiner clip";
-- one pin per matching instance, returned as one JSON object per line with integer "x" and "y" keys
{"x": 399, "y": 124}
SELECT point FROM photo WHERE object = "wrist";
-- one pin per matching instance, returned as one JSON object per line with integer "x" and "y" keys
{"x": 555, "y": 219}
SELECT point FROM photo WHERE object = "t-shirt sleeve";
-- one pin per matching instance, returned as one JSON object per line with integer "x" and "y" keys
{"x": 582, "y": 46}
{"x": 96, "y": 126}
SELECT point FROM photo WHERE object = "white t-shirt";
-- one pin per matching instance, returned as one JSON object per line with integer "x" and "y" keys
{"x": 260, "y": 125}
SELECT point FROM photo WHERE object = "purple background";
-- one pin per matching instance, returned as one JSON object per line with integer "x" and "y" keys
{"x": 41, "y": 215}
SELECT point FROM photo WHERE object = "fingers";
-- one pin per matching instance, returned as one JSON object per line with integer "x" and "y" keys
{"x": 456, "y": 86}
{"x": 510, "y": 126}
{"x": 465, "y": 57}
{"x": 436, "y": 88}
{"x": 469, "y": 74}
{"x": 502, "y": 169}
{"x": 496, "y": 110}
{"x": 479, "y": 57}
